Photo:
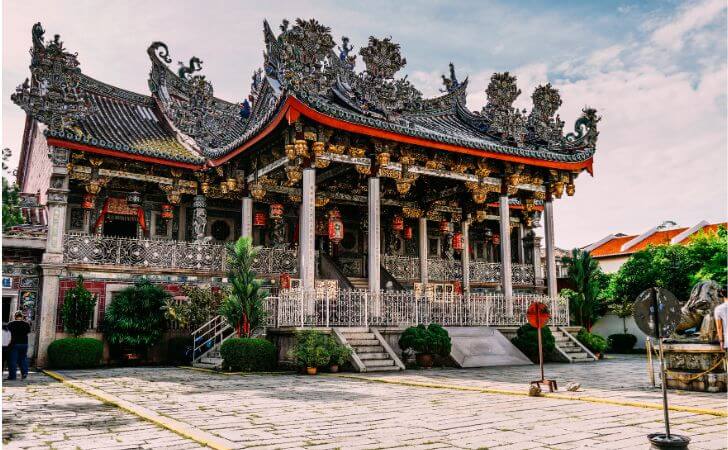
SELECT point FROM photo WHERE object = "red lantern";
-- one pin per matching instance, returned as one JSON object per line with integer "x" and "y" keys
{"x": 496, "y": 239}
{"x": 167, "y": 213}
{"x": 89, "y": 201}
{"x": 336, "y": 226}
{"x": 259, "y": 219}
{"x": 276, "y": 211}
{"x": 408, "y": 232}
{"x": 398, "y": 223}
{"x": 457, "y": 241}
{"x": 444, "y": 226}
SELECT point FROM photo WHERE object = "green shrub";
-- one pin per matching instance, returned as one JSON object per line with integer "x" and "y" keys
{"x": 179, "y": 350}
{"x": 135, "y": 317}
{"x": 621, "y": 343}
{"x": 77, "y": 311}
{"x": 594, "y": 342}
{"x": 311, "y": 349}
{"x": 432, "y": 340}
{"x": 75, "y": 353}
{"x": 526, "y": 341}
{"x": 339, "y": 354}
{"x": 248, "y": 355}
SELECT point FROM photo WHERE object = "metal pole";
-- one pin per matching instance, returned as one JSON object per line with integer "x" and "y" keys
{"x": 650, "y": 366}
{"x": 664, "y": 390}
{"x": 540, "y": 347}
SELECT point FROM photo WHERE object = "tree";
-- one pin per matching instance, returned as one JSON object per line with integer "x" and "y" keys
{"x": 589, "y": 282}
{"x": 710, "y": 252}
{"x": 244, "y": 307}
{"x": 135, "y": 317}
{"x": 78, "y": 309}
{"x": 11, "y": 197}
{"x": 199, "y": 307}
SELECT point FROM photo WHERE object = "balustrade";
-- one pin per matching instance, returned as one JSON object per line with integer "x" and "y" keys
{"x": 407, "y": 268}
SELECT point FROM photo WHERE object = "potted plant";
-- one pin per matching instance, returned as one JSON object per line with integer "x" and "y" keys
{"x": 595, "y": 343}
{"x": 426, "y": 342}
{"x": 339, "y": 355}
{"x": 311, "y": 350}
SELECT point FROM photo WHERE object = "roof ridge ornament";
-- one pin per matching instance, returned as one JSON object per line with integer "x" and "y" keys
{"x": 195, "y": 65}
{"x": 451, "y": 84}
{"x": 585, "y": 131}
{"x": 543, "y": 127}
{"x": 53, "y": 95}
{"x": 506, "y": 122}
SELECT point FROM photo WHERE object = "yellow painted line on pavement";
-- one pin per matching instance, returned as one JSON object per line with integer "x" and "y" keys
{"x": 183, "y": 429}
{"x": 583, "y": 398}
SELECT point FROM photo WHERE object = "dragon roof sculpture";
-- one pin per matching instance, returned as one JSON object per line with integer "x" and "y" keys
{"x": 183, "y": 121}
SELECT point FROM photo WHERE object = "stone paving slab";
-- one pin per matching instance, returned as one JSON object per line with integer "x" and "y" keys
{"x": 41, "y": 413}
{"x": 621, "y": 377}
{"x": 295, "y": 411}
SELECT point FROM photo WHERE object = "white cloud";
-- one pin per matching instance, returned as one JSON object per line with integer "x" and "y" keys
{"x": 672, "y": 35}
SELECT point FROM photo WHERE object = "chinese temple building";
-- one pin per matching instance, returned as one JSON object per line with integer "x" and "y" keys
{"x": 352, "y": 183}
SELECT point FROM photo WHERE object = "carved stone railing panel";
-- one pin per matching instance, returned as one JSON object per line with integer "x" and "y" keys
{"x": 440, "y": 269}
{"x": 272, "y": 261}
{"x": 523, "y": 274}
{"x": 485, "y": 272}
{"x": 403, "y": 268}
{"x": 351, "y": 267}
{"x": 158, "y": 254}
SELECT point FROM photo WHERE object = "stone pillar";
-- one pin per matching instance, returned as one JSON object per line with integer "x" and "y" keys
{"x": 52, "y": 263}
{"x": 465, "y": 254}
{"x": 247, "y": 218}
{"x": 374, "y": 236}
{"x": 182, "y": 221}
{"x": 548, "y": 212}
{"x": 199, "y": 222}
{"x": 306, "y": 231}
{"x": 424, "y": 248}
{"x": 533, "y": 250}
{"x": 505, "y": 251}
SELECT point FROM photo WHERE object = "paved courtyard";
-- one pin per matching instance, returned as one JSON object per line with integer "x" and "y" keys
{"x": 324, "y": 412}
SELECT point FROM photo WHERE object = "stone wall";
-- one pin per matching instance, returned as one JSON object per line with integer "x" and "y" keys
{"x": 37, "y": 168}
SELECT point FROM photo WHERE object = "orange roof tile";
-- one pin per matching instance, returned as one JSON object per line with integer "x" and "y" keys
{"x": 611, "y": 247}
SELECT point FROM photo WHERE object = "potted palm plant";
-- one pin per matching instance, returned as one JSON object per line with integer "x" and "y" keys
{"x": 426, "y": 342}
{"x": 311, "y": 351}
{"x": 339, "y": 355}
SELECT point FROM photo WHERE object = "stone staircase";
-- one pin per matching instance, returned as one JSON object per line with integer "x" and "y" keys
{"x": 569, "y": 347}
{"x": 210, "y": 360}
{"x": 360, "y": 283}
{"x": 371, "y": 351}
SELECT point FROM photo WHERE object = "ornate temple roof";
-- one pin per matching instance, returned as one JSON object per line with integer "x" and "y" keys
{"x": 304, "y": 73}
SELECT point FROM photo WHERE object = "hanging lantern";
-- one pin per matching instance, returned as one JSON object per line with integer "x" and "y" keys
{"x": 232, "y": 184}
{"x": 259, "y": 219}
{"x": 257, "y": 191}
{"x": 205, "y": 187}
{"x": 496, "y": 239}
{"x": 398, "y": 223}
{"x": 276, "y": 211}
{"x": 134, "y": 199}
{"x": 167, "y": 213}
{"x": 457, "y": 241}
{"x": 224, "y": 187}
{"x": 444, "y": 226}
{"x": 408, "y": 232}
{"x": 336, "y": 226}
{"x": 89, "y": 201}
{"x": 291, "y": 152}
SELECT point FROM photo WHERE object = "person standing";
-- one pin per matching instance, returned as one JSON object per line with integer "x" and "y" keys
{"x": 19, "y": 330}
{"x": 721, "y": 324}
{"x": 6, "y": 345}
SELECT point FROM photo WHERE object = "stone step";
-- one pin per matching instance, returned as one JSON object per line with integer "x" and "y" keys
{"x": 357, "y": 335}
{"x": 585, "y": 358}
{"x": 378, "y": 363}
{"x": 368, "y": 349}
{"x": 207, "y": 360}
{"x": 371, "y": 356}
{"x": 362, "y": 342}
{"x": 382, "y": 369}
{"x": 206, "y": 365}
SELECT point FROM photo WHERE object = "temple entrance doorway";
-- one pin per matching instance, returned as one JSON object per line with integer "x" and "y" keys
{"x": 120, "y": 228}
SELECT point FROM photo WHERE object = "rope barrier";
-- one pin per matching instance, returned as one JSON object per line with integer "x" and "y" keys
{"x": 695, "y": 377}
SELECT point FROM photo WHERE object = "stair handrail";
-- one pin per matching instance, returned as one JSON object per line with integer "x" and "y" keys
{"x": 205, "y": 338}
{"x": 576, "y": 341}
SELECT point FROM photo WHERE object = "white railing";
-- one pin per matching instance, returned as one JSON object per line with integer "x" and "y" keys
{"x": 209, "y": 337}
{"x": 362, "y": 309}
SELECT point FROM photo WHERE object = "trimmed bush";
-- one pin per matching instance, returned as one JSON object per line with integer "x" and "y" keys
{"x": 311, "y": 349}
{"x": 339, "y": 354}
{"x": 134, "y": 320}
{"x": 75, "y": 353}
{"x": 594, "y": 342}
{"x": 526, "y": 341}
{"x": 430, "y": 340}
{"x": 77, "y": 311}
{"x": 179, "y": 350}
{"x": 621, "y": 343}
{"x": 248, "y": 355}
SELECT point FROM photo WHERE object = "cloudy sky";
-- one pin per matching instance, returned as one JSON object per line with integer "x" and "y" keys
{"x": 656, "y": 71}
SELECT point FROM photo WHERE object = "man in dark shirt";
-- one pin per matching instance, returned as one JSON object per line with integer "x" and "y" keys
{"x": 19, "y": 330}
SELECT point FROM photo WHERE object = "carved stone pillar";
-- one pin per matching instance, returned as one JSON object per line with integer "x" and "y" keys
{"x": 52, "y": 263}
{"x": 533, "y": 255}
{"x": 520, "y": 232}
{"x": 247, "y": 217}
{"x": 548, "y": 213}
{"x": 307, "y": 231}
{"x": 374, "y": 235}
{"x": 424, "y": 248}
{"x": 505, "y": 251}
{"x": 465, "y": 254}
{"x": 199, "y": 222}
